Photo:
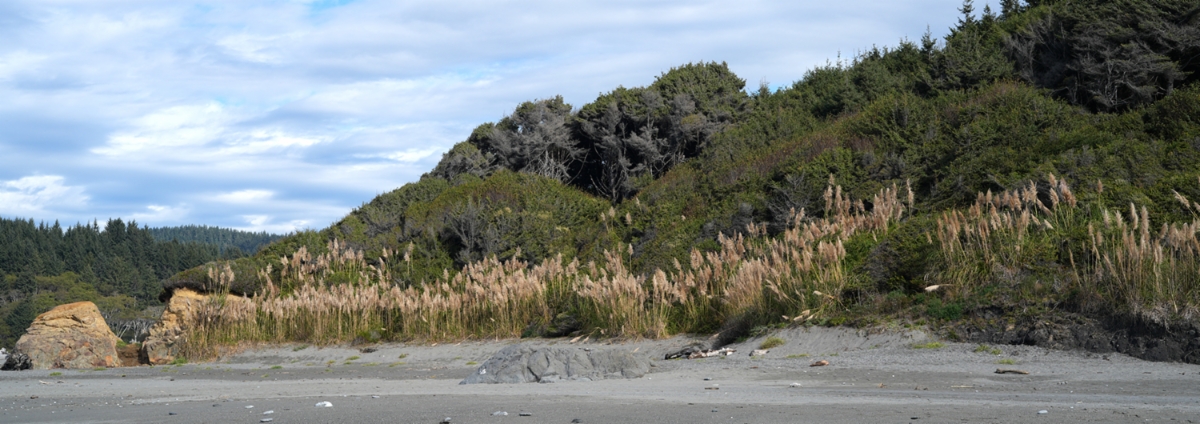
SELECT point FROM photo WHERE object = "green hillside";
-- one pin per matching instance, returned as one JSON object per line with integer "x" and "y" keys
{"x": 1042, "y": 160}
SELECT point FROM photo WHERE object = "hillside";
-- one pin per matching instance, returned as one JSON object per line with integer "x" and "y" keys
{"x": 1038, "y": 165}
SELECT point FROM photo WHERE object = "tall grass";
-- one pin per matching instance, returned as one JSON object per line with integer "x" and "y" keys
{"x": 1026, "y": 244}
{"x": 1034, "y": 243}
{"x": 339, "y": 295}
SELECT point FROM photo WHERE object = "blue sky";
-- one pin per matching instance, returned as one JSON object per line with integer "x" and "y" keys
{"x": 278, "y": 115}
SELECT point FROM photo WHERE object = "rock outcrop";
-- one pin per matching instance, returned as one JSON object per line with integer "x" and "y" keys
{"x": 74, "y": 335}
{"x": 163, "y": 344}
{"x": 524, "y": 364}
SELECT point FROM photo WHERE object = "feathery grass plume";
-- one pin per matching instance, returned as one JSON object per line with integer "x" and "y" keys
{"x": 337, "y": 295}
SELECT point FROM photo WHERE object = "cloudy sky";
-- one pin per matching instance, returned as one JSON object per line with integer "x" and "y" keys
{"x": 279, "y": 115}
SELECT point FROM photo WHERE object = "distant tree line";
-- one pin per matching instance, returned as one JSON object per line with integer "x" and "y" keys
{"x": 223, "y": 238}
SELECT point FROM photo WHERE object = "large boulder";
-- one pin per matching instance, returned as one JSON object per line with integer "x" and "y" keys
{"x": 74, "y": 335}
{"x": 164, "y": 343}
{"x": 525, "y": 364}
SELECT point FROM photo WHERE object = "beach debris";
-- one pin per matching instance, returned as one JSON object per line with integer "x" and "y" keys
{"x": 933, "y": 288}
{"x": 375, "y": 397}
{"x": 269, "y": 412}
{"x": 707, "y": 378}
{"x": 526, "y": 414}
{"x": 445, "y": 421}
{"x": 695, "y": 352}
{"x": 714, "y": 410}
{"x": 527, "y": 364}
{"x": 759, "y": 352}
{"x": 1010, "y": 371}
{"x": 500, "y": 414}
{"x": 324, "y": 404}
{"x": 713, "y": 387}
{"x": 266, "y": 420}
{"x": 820, "y": 363}
{"x": 576, "y": 421}
{"x": 172, "y": 413}
{"x": 16, "y": 361}
{"x": 249, "y": 406}
{"x": 794, "y": 385}
{"x": 1043, "y": 412}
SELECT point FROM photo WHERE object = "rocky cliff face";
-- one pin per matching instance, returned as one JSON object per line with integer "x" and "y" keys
{"x": 74, "y": 335}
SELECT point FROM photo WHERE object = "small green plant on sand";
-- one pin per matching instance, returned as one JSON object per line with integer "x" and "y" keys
{"x": 1006, "y": 361}
{"x": 352, "y": 358}
{"x": 55, "y": 374}
{"x": 930, "y": 345}
{"x": 300, "y": 348}
{"x": 794, "y": 356}
{"x": 277, "y": 367}
{"x": 472, "y": 363}
{"x": 771, "y": 342}
{"x": 988, "y": 349}
{"x": 179, "y": 361}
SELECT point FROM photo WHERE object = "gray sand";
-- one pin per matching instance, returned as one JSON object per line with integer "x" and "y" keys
{"x": 871, "y": 378}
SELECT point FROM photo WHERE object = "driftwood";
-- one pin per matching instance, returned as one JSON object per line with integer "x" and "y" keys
{"x": 820, "y": 363}
{"x": 1010, "y": 371}
{"x": 692, "y": 352}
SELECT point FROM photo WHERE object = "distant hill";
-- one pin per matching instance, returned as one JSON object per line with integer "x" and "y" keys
{"x": 223, "y": 238}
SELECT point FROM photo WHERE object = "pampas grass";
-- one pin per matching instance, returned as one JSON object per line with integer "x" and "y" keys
{"x": 338, "y": 295}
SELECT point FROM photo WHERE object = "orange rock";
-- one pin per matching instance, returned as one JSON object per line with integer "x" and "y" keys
{"x": 74, "y": 335}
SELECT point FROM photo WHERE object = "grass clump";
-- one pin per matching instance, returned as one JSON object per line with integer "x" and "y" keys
{"x": 300, "y": 348}
{"x": 929, "y": 345}
{"x": 797, "y": 356}
{"x": 277, "y": 367}
{"x": 1006, "y": 361}
{"x": 352, "y": 358}
{"x": 772, "y": 342}
{"x": 988, "y": 349}
{"x": 55, "y": 374}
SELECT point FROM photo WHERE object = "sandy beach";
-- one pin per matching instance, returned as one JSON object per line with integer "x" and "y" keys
{"x": 883, "y": 377}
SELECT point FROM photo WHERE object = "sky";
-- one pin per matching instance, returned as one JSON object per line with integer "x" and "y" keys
{"x": 282, "y": 115}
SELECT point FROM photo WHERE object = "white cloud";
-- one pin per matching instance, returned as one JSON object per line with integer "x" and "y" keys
{"x": 409, "y": 155}
{"x": 38, "y": 195}
{"x": 158, "y": 215}
{"x": 266, "y": 223}
{"x": 244, "y": 196}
